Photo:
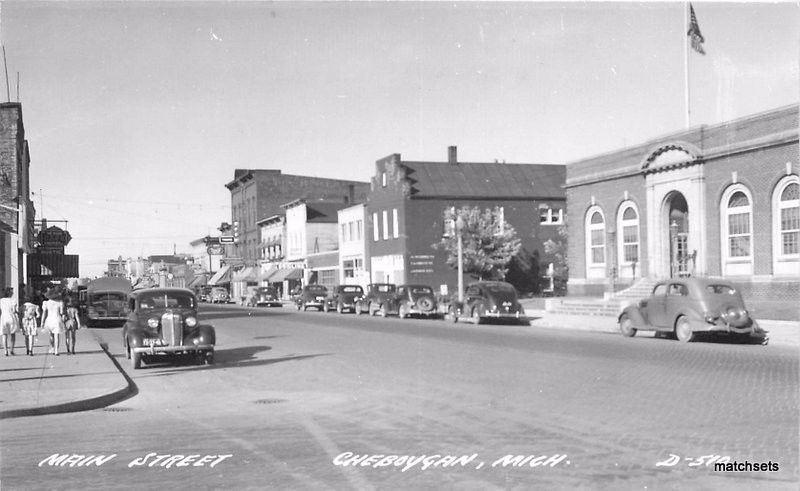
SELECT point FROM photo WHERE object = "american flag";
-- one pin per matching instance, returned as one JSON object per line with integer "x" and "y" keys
{"x": 697, "y": 39}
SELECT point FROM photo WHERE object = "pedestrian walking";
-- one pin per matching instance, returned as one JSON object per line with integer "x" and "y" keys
{"x": 53, "y": 318}
{"x": 30, "y": 323}
{"x": 9, "y": 319}
{"x": 72, "y": 322}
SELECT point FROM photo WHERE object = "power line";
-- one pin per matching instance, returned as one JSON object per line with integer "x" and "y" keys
{"x": 147, "y": 202}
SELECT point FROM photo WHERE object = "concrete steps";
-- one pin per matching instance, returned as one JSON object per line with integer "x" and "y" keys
{"x": 605, "y": 308}
{"x": 640, "y": 289}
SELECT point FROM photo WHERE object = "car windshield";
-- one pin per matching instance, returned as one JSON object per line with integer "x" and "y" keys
{"x": 352, "y": 289}
{"x": 421, "y": 290}
{"x": 384, "y": 288}
{"x": 500, "y": 288}
{"x": 164, "y": 300}
{"x": 720, "y": 289}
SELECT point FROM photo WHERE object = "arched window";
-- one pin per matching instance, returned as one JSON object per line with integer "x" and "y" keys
{"x": 595, "y": 243}
{"x": 628, "y": 239}
{"x": 737, "y": 231}
{"x": 786, "y": 226}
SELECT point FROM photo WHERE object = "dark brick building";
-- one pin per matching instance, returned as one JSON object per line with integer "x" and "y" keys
{"x": 259, "y": 193}
{"x": 719, "y": 200}
{"x": 16, "y": 208}
{"x": 407, "y": 201}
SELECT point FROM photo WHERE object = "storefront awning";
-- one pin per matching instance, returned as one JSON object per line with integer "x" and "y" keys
{"x": 221, "y": 277}
{"x": 286, "y": 274}
{"x": 249, "y": 274}
{"x": 198, "y": 281}
{"x": 266, "y": 274}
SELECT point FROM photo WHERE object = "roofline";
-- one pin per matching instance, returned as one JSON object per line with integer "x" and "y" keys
{"x": 677, "y": 134}
{"x": 489, "y": 198}
{"x": 268, "y": 219}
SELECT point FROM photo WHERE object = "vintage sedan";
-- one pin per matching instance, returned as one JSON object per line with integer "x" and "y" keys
{"x": 344, "y": 297}
{"x": 379, "y": 299}
{"x": 417, "y": 300}
{"x": 312, "y": 296}
{"x": 688, "y": 306}
{"x": 219, "y": 294}
{"x": 266, "y": 296}
{"x": 485, "y": 300}
{"x": 162, "y": 322}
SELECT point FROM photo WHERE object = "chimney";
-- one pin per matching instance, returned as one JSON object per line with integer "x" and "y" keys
{"x": 452, "y": 155}
{"x": 351, "y": 193}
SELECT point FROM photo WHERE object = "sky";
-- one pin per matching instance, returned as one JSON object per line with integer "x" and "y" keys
{"x": 137, "y": 113}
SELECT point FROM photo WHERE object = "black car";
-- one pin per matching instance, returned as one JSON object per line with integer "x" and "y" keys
{"x": 344, "y": 297}
{"x": 267, "y": 296}
{"x": 162, "y": 322}
{"x": 312, "y": 296}
{"x": 488, "y": 300}
{"x": 418, "y": 300}
{"x": 380, "y": 299}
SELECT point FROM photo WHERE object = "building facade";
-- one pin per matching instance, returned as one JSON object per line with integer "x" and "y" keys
{"x": 406, "y": 205}
{"x": 259, "y": 193}
{"x": 353, "y": 246}
{"x": 16, "y": 209}
{"x": 719, "y": 200}
{"x": 312, "y": 240}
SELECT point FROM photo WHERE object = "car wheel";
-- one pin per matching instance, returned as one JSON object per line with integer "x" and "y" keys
{"x": 683, "y": 330}
{"x": 476, "y": 316}
{"x": 626, "y": 326}
{"x": 136, "y": 358}
{"x": 209, "y": 357}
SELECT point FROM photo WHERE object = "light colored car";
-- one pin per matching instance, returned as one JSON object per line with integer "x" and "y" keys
{"x": 688, "y": 306}
{"x": 219, "y": 295}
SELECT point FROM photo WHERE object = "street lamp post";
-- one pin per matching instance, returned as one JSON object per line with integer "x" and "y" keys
{"x": 459, "y": 226}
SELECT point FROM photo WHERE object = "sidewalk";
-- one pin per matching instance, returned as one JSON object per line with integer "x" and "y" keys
{"x": 784, "y": 333}
{"x": 49, "y": 384}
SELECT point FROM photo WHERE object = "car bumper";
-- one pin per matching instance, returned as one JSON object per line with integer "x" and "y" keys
{"x": 154, "y": 350}
{"x": 504, "y": 315}
{"x": 318, "y": 304}
{"x": 427, "y": 313}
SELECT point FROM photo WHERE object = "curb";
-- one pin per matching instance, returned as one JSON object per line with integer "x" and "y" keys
{"x": 98, "y": 402}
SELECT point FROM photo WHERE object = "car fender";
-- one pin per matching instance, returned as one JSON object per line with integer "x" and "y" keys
{"x": 635, "y": 314}
{"x": 697, "y": 322}
{"x": 206, "y": 334}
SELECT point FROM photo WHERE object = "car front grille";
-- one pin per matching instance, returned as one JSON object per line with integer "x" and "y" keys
{"x": 171, "y": 329}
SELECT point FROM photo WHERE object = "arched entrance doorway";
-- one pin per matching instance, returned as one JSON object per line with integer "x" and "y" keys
{"x": 680, "y": 259}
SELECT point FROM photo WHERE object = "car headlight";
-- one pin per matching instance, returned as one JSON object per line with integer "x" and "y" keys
{"x": 152, "y": 322}
{"x": 711, "y": 317}
{"x": 191, "y": 322}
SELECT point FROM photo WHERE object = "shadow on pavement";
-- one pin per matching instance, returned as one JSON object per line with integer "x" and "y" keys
{"x": 227, "y": 364}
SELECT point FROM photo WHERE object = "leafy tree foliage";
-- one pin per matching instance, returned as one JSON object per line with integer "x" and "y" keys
{"x": 556, "y": 252}
{"x": 488, "y": 243}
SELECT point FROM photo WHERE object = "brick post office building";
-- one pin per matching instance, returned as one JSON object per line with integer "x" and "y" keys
{"x": 717, "y": 200}
{"x": 407, "y": 201}
{"x": 259, "y": 193}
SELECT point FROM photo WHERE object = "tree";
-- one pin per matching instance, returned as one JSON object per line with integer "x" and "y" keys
{"x": 556, "y": 252}
{"x": 488, "y": 243}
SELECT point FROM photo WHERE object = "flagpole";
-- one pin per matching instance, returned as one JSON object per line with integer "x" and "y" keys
{"x": 686, "y": 60}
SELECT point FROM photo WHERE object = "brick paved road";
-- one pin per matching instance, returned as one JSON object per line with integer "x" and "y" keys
{"x": 291, "y": 391}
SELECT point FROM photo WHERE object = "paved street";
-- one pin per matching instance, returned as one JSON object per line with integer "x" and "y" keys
{"x": 293, "y": 393}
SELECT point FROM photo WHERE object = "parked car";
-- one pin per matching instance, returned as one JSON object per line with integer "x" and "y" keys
{"x": 219, "y": 295}
{"x": 488, "y": 300}
{"x": 265, "y": 296}
{"x": 162, "y": 322}
{"x": 380, "y": 298}
{"x": 344, "y": 297}
{"x": 416, "y": 300}
{"x": 312, "y": 296}
{"x": 688, "y": 306}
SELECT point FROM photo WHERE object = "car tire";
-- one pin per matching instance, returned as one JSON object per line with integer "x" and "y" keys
{"x": 683, "y": 330}
{"x": 476, "y": 316}
{"x": 136, "y": 358}
{"x": 626, "y": 326}
{"x": 209, "y": 357}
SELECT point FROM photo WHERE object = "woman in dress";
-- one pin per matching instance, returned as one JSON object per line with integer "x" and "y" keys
{"x": 30, "y": 323}
{"x": 72, "y": 323}
{"x": 53, "y": 317}
{"x": 9, "y": 319}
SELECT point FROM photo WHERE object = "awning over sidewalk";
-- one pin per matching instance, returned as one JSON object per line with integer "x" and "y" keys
{"x": 221, "y": 277}
{"x": 265, "y": 275}
{"x": 249, "y": 274}
{"x": 286, "y": 274}
{"x": 198, "y": 281}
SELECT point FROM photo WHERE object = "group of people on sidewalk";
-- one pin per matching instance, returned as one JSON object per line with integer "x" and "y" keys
{"x": 59, "y": 318}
